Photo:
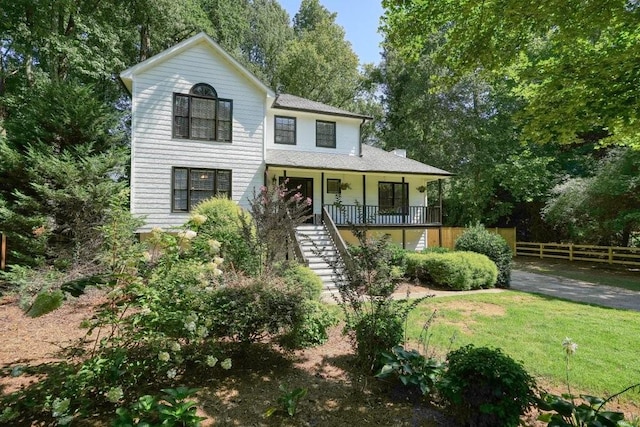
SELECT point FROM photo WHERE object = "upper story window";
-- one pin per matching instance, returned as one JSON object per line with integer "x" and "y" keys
{"x": 393, "y": 197}
{"x": 202, "y": 115}
{"x": 285, "y": 130}
{"x": 191, "y": 186}
{"x": 325, "y": 134}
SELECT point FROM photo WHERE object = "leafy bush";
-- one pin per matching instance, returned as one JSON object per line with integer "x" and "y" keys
{"x": 312, "y": 328}
{"x": 411, "y": 368}
{"x": 454, "y": 270}
{"x": 366, "y": 281}
{"x": 378, "y": 331}
{"x": 477, "y": 239}
{"x": 300, "y": 278}
{"x": 222, "y": 220}
{"x": 249, "y": 309}
{"x": 484, "y": 387}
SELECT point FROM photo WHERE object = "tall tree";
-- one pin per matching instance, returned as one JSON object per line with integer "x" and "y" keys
{"x": 466, "y": 129}
{"x": 319, "y": 63}
{"x": 573, "y": 62}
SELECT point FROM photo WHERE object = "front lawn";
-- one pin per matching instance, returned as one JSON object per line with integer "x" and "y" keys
{"x": 530, "y": 328}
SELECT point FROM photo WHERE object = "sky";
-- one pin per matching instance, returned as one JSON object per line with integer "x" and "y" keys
{"x": 360, "y": 20}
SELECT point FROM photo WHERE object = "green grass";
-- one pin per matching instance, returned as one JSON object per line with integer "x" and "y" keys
{"x": 530, "y": 329}
{"x": 597, "y": 273}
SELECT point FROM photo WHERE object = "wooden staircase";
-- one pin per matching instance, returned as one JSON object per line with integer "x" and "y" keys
{"x": 318, "y": 248}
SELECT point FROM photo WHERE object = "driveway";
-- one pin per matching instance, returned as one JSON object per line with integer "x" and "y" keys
{"x": 557, "y": 287}
{"x": 575, "y": 290}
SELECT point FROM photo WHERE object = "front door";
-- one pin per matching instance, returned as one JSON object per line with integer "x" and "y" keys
{"x": 305, "y": 190}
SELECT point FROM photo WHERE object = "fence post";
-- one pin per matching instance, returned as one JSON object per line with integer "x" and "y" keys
{"x": 610, "y": 255}
{"x": 570, "y": 251}
{"x": 541, "y": 251}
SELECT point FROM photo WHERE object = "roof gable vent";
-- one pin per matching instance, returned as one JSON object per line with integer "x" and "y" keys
{"x": 400, "y": 152}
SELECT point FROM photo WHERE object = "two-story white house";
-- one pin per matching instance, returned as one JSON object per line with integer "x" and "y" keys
{"x": 202, "y": 125}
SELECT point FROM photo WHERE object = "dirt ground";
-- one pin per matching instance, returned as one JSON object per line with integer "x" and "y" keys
{"x": 240, "y": 396}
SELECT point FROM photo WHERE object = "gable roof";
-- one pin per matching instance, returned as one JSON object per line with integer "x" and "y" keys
{"x": 291, "y": 102}
{"x": 201, "y": 38}
{"x": 372, "y": 160}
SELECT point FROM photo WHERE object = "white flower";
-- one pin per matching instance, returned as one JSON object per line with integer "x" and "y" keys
{"x": 171, "y": 373}
{"x": 187, "y": 234}
{"x": 211, "y": 361}
{"x": 198, "y": 219}
{"x": 214, "y": 245}
{"x": 175, "y": 346}
{"x": 202, "y": 332}
{"x": 569, "y": 346}
{"x": 163, "y": 356}
{"x": 226, "y": 364}
{"x": 157, "y": 230}
{"x": 218, "y": 260}
{"x": 114, "y": 394}
{"x": 190, "y": 326}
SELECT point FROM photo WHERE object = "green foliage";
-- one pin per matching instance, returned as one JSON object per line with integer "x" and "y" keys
{"x": 67, "y": 159}
{"x": 250, "y": 309}
{"x": 319, "y": 63}
{"x": 454, "y": 270}
{"x": 411, "y": 368}
{"x": 170, "y": 409}
{"x": 553, "y": 54}
{"x": 366, "y": 281}
{"x": 477, "y": 239}
{"x": 602, "y": 209}
{"x": 312, "y": 328}
{"x": 288, "y": 401}
{"x": 484, "y": 387}
{"x": 435, "y": 250}
{"x": 300, "y": 278}
{"x": 45, "y": 302}
{"x": 378, "y": 331}
{"x": 224, "y": 221}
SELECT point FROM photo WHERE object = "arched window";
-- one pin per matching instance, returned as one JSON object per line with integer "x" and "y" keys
{"x": 202, "y": 115}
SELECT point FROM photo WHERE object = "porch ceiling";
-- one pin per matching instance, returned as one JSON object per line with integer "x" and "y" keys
{"x": 372, "y": 160}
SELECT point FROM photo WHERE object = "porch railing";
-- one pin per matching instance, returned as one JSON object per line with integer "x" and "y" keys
{"x": 373, "y": 215}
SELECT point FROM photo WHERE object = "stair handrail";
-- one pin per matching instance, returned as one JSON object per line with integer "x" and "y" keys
{"x": 338, "y": 241}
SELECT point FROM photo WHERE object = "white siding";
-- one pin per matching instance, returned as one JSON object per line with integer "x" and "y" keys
{"x": 155, "y": 152}
{"x": 347, "y": 132}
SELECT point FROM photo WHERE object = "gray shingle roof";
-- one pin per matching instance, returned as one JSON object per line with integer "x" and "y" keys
{"x": 372, "y": 160}
{"x": 292, "y": 102}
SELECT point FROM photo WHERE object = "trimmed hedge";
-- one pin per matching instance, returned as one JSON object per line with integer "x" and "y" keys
{"x": 477, "y": 239}
{"x": 455, "y": 270}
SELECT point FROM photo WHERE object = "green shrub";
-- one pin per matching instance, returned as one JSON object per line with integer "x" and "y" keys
{"x": 477, "y": 239}
{"x": 484, "y": 387}
{"x": 436, "y": 250}
{"x": 300, "y": 278}
{"x": 312, "y": 327}
{"x": 223, "y": 221}
{"x": 376, "y": 332}
{"x": 454, "y": 270}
